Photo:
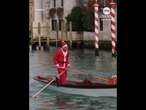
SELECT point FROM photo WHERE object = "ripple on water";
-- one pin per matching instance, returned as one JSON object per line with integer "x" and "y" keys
{"x": 84, "y": 65}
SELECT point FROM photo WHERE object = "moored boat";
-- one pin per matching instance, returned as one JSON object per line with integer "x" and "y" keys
{"x": 85, "y": 87}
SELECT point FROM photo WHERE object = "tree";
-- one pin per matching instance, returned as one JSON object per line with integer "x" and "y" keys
{"x": 88, "y": 20}
{"x": 82, "y": 19}
{"x": 76, "y": 18}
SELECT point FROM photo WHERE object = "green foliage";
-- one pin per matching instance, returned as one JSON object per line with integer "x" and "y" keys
{"x": 88, "y": 20}
{"x": 82, "y": 19}
{"x": 76, "y": 18}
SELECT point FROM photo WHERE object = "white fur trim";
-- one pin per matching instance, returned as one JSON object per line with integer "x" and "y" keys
{"x": 57, "y": 65}
{"x": 64, "y": 46}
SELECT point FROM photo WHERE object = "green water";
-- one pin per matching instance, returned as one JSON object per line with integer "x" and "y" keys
{"x": 84, "y": 64}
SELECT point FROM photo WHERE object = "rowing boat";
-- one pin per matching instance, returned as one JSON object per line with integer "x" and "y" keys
{"x": 84, "y": 87}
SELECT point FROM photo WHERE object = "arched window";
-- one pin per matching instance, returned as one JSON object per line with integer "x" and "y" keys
{"x": 54, "y": 24}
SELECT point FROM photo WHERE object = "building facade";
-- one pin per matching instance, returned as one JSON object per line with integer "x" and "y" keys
{"x": 48, "y": 14}
{"x": 31, "y": 15}
{"x": 47, "y": 17}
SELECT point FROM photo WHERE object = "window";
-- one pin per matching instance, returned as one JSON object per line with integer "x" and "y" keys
{"x": 54, "y": 3}
{"x": 101, "y": 24}
{"x": 62, "y": 3}
{"x": 60, "y": 20}
{"x": 54, "y": 24}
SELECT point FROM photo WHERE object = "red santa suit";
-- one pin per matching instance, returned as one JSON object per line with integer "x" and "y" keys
{"x": 62, "y": 61}
{"x": 112, "y": 81}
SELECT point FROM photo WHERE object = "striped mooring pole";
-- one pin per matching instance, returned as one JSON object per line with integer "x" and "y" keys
{"x": 113, "y": 27}
{"x": 96, "y": 23}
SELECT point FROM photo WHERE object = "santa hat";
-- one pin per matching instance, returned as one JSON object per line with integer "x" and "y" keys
{"x": 63, "y": 44}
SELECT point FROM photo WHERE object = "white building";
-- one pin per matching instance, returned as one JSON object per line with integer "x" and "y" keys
{"x": 47, "y": 21}
{"x": 31, "y": 14}
{"x": 39, "y": 18}
{"x": 46, "y": 13}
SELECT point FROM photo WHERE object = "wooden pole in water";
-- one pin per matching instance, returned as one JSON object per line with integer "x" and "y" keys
{"x": 31, "y": 37}
{"x": 48, "y": 34}
{"x": 57, "y": 29}
{"x": 39, "y": 34}
{"x": 70, "y": 33}
{"x": 96, "y": 23}
{"x": 30, "y": 48}
{"x": 31, "y": 32}
{"x": 65, "y": 31}
{"x": 62, "y": 30}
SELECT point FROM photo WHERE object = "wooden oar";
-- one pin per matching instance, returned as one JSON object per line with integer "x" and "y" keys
{"x": 46, "y": 85}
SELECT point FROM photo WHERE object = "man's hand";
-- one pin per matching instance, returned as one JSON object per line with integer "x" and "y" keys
{"x": 68, "y": 66}
{"x": 57, "y": 76}
{"x": 57, "y": 65}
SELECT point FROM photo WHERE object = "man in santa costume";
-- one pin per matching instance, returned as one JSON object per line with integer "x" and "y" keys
{"x": 62, "y": 62}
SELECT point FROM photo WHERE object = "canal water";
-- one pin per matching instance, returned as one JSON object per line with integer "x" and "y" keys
{"x": 84, "y": 64}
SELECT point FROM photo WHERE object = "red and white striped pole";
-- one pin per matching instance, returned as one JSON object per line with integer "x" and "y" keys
{"x": 96, "y": 23}
{"x": 113, "y": 27}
